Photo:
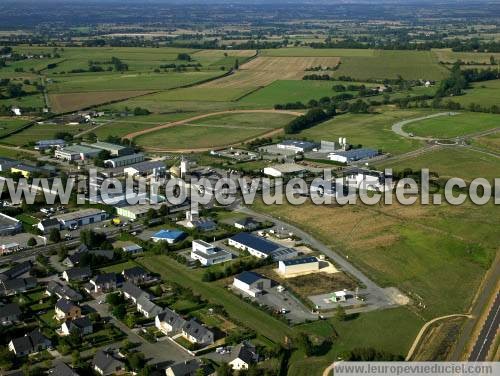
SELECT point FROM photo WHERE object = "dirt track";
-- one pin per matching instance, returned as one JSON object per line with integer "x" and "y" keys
{"x": 194, "y": 118}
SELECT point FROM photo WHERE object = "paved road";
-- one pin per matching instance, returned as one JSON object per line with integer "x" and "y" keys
{"x": 398, "y": 127}
{"x": 488, "y": 333}
{"x": 380, "y": 298}
{"x": 156, "y": 352}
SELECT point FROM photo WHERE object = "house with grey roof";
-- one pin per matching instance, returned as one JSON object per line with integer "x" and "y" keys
{"x": 17, "y": 285}
{"x": 243, "y": 355}
{"x": 185, "y": 368}
{"x": 30, "y": 343}
{"x": 63, "y": 291}
{"x": 133, "y": 293}
{"x": 10, "y": 313}
{"x": 62, "y": 369}
{"x": 105, "y": 362}
{"x": 169, "y": 322}
{"x": 67, "y": 310}
{"x": 136, "y": 275}
{"x": 195, "y": 332}
{"x": 77, "y": 274}
{"x": 148, "y": 308}
{"x": 106, "y": 282}
{"x": 81, "y": 325}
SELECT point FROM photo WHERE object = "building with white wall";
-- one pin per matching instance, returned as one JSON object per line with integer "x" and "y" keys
{"x": 208, "y": 254}
{"x": 298, "y": 266}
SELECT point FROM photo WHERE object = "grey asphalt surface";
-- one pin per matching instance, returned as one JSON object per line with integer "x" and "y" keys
{"x": 488, "y": 333}
{"x": 380, "y": 298}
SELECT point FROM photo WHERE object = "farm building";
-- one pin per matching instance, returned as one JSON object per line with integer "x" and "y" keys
{"x": 208, "y": 254}
{"x": 260, "y": 247}
{"x": 170, "y": 236}
{"x": 49, "y": 144}
{"x": 9, "y": 225}
{"x": 285, "y": 170}
{"x": 297, "y": 146}
{"x": 124, "y": 160}
{"x": 81, "y": 217}
{"x": 300, "y": 265}
{"x": 251, "y": 283}
{"x": 352, "y": 155}
{"x": 76, "y": 153}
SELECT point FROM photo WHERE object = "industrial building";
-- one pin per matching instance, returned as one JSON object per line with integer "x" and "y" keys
{"x": 170, "y": 236}
{"x": 49, "y": 144}
{"x": 297, "y": 146}
{"x": 251, "y": 283}
{"x": 298, "y": 266}
{"x": 208, "y": 254}
{"x": 352, "y": 155}
{"x": 76, "y": 153}
{"x": 81, "y": 217}
{"x": 260, "y": 247}
{"x": 148, "y": 168}
{"x": 9, "y": 225}
{"x": 114, "y": 150}
{"x": 285, "y": 170}
{"x": 124, "y": 160}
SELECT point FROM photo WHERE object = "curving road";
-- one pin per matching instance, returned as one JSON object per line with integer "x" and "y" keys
{"x": 398, "y": 127}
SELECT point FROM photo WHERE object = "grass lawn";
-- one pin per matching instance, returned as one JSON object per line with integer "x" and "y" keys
{"x": 32, "y": 101}
{"x": 124, "y": 125}
{"x": 8, "y": 125}
{"x": 426, "y": 251}
{"x": 452, "y": 162}
{"x": 490, "y": 142}
{"x": 10, "y": 153}
{"x": 454, "y": 126}
{"x": 485, "y": 94}
{"x": 214, "y": 131}
{"x": 203, "y": 94}
{"x": 238, "y": 310}
{"x": 126, "y": 81}
{"x": 367, "y": 330}
{"x": 373, "y": 131}
{"x": 118, "y": 268}
{"x": 41, "y": 132}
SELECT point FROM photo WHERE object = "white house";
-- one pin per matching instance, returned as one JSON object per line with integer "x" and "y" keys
{"x": 169, "y": 322}
{"x": 194, "y": 332}
{"x": 208, "y": 254}
{"x": 251, "y": 283}
{"x": 242, "y": 356}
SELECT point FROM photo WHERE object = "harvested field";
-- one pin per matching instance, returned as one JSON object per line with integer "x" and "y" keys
{"x": 264, "y": 70}
{"x": 76, "y": 101}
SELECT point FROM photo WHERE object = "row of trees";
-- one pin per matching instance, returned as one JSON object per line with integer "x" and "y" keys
{"x": 310, "y": 119}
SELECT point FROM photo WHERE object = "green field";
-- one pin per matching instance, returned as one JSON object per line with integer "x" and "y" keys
{"x": 12, "y": 153}
{"x": 8, "y": 125}
{"x": 122, "y": 126}
{"x": 490, "y": 142}
{"x": 367, "y": 330}
{"x": 369, "y": 130}
{"x": 327, "y": 52}
{"x": 391, "y": 64}
{"x": 213, "y": 131}
{"x": 41, "y": 132}
{"x": 485, "y": 94}
{"x": 33, "y": 101}
{"x": 454, "y": 126}
{"x": 428, "y": 252}
{"x": 126, "y": 81}
{"x": 453, "y": 162}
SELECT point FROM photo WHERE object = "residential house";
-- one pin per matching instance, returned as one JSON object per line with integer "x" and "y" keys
{"x": 106, "y": 363}
{"x": 63, "y": 291}
{"x": 208, "y": 254}
{"x": 77, "y": 274}
{"x": 47, "y": 224}
{"x": 67, "y": 310}
{"x": 169, "y": 322}
{"x": 251, "y": 283}
{"x": 136, "y": 275}
{"x": 17, "y": 270}
{"x": 134, "y": 293}
{"x": 148, "y": 308}
{"x": 185, "y": 368}
{"x": 62, "y": 369}
{"x": 194, "y": 332}
{"x": 30, "y": 343}
{"x": 10, "y": 313}
{"x": 17, "y": 285}
{"x": 81, "y": 325}
{"x": 106, "y": 282}
{"x": 260, "y": 247}
{"x": 170, "y": 236}
{"x": 243, "y": 355}
{"x": 247, "y": 224}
